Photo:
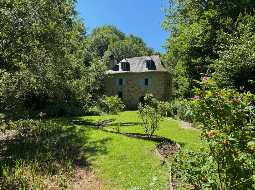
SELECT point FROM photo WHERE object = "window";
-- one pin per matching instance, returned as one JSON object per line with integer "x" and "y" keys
{"x": 146, "y": 82}
{"x": 120, "y": 82}
{"x": 150, "y": 64}
{"x": 116, "y": 68}
{"x": 125, "y": 66}
{"x": 120, "y": 94}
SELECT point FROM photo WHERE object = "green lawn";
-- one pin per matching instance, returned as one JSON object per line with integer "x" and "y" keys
{"x": 128, "y": 163}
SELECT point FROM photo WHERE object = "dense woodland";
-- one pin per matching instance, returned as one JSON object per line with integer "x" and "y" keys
{"x": 51, "y": 67}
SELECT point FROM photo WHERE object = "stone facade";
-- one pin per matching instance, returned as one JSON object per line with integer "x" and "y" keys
{"x": 131, "y": 87}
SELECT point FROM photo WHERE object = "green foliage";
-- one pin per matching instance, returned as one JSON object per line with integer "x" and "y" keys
{"x": 150, "y": 114}
{"x": 165, "y": 108}
{"x": 42, "y": 53}
{"x": 236, "y": 64}
{"x": 89, "y": 88}
{"x": 40, "y": 152}
{"x": 100, "y": 39}
{"x": 111, "y": 104}
{"x": 227, "y": 120}
{"x": 131, "y": 46}
{"x": 110, "y": 43}
{"x": 39, "y": 54}
{"x": 181, "y": 109}
{"x": 195, "y": 169}
{"x": 197, "y": 37}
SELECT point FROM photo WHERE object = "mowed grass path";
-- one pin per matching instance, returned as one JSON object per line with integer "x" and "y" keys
{"x": 129, "y": 163}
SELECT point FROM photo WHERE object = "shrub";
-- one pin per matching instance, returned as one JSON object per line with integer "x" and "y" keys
{"x": 181, "y": 109}
{"x": 111, "y": 104}
{"x": 165, "y": 108}
{"x": 64, "y": 109}
{"x": 150, "y": 114}
{"x": 195, "y": 169}
{"x": 227, "y": 120}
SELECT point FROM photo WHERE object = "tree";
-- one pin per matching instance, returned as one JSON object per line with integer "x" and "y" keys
{"x": 195, "y": 40}
{"x": 41, "y": 54}
{"x": 100, "y": 39}
{"x": 131, "y": 46}
{"x": 236, "y": 64}
{"x": 108, "y": 43}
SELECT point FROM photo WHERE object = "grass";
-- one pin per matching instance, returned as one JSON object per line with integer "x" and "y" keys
{"x": 44, "y": 153}
{"x": 131, "y": 163}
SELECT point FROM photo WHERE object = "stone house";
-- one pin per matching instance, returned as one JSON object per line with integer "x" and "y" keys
{"x": 133, "y": 78}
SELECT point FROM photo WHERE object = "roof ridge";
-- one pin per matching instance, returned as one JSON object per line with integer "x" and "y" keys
{"x": 144, "y": 56}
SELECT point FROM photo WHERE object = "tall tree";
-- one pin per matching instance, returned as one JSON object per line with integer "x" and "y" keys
{"x": 131, "y": 46}
{"x": 100, "y": 39}
{"x": 41, "y": 54}
{"x": 235, "y": 67}
{"x": 108, "y": 42}
{"x": 195, "y": 40}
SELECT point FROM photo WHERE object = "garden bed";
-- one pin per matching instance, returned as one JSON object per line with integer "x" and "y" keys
{"x": 167, "y": 149}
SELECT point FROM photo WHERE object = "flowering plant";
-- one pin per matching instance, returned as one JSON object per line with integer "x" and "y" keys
{"x": 227, "y": 119}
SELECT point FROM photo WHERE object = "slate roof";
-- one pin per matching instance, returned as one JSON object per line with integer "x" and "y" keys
{"x": 138, "y": 65}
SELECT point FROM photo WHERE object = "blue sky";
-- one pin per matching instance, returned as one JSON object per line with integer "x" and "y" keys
{"x": 142, "y": 18}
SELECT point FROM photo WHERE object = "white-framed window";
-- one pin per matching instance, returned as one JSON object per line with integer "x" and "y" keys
{"x": 125, "y": 66}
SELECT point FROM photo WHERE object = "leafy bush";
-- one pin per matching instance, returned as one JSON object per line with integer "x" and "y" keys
{"x": 195, "y": 169}
{"x": 150, "y": 114}
{"x": 111, "y": 104}
{"x": 181, "y": 109}
{"x": 227, "y": 119}
{"x": 185, "y": 111}
{"x": 165, "y": 108}
{"x": 58, "y": 110}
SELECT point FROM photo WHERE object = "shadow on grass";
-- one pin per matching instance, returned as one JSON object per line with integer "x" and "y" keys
{"x": 51, "y": 146}
{"x": 101, "y": 125}
{"x": 90, "y": 123}
{"x": 125, "y": 124}
{"x": 153, "y": 138}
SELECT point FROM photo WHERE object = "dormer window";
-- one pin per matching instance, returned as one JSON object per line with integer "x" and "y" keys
{"x": 116, "y": 68}
{"x": 125, "y": 66}
{"x": 150, "y": 64}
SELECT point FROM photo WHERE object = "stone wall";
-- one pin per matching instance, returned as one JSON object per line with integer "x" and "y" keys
{"x": 133, "y": 87}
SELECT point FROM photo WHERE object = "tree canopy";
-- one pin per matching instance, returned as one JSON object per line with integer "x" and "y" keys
{"x": 198, "y": 36}
{"x": 41, "y": 55}
{"x": 108, "y": 42}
